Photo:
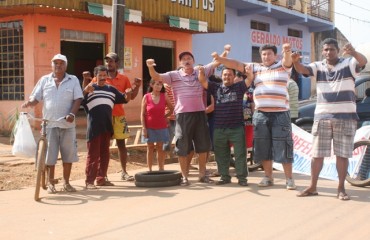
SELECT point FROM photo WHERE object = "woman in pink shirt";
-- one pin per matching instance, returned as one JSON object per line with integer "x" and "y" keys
{"x": 153, "y": 120}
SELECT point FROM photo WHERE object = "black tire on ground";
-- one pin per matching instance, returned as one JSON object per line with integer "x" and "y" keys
{"x": 157, "y": 176}
{"x": 168, "y": 183}
{"x": 40, "y": 164}
{"x": 361, "y": 182}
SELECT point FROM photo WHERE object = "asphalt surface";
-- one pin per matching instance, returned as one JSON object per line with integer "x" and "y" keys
{"x": 199, "y": 211}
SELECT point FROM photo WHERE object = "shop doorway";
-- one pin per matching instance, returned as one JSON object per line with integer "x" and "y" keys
{"x": 82, "y": 56}
{"x": 162, "y": 51}
{"x": 84, "y": 50}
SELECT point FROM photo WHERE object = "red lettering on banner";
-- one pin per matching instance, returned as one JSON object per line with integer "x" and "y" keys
{"x": 301, "y": 145}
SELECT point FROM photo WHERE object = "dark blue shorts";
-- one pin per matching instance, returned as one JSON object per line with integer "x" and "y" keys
{"x": 272, "y": 137}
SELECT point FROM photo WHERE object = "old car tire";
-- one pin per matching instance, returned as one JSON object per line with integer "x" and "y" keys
{"x": 158, "y": 176}
{"x": 158, "y": 184}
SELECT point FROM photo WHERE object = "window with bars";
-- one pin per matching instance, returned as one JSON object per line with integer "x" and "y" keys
{"x": 295, "y": 33}
{"x": 260, "y": 26}
{"x": 11, "y": 61}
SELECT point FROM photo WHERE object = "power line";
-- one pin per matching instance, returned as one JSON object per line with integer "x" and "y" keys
{"x": 356, "y": 5}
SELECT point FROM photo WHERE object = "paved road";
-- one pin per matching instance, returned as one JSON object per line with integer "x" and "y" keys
{"x": 200, "y": 211}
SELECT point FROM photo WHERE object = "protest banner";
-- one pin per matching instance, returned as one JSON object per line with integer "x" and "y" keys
{"x": 302, "y": 154}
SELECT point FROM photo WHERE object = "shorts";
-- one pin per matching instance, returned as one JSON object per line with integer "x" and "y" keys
{"x": 272, "y": 137}
{"x": 63, "y": 140}
{"x": 120, "y": 127}
{"x": 171, "y": 131}
{"x": 158, "y": 135}
{"x": 192, "y": 128}
{"x": 341, "y": 131}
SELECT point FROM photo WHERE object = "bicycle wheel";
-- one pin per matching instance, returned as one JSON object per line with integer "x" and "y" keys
{"x": 361, "y": 177}
{"x": 40, "y": 167}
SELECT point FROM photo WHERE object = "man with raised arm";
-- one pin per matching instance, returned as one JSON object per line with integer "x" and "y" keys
{"x": 271, "y": 118}
{"x": 335, "y": 114}
{"x": 229, "y": 123}
{"x": 191, "y": 120}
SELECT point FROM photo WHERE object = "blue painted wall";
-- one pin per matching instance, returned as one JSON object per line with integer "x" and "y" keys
{"x": 239, "y": 35}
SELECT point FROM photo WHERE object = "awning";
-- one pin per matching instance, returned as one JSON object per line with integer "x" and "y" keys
{"x": 189, "y": 24}
{"x": 106, "y": 11}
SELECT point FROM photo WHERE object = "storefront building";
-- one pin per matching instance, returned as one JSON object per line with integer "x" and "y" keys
{"x": 32, "y": 31}
{"x": 250, "y": 24}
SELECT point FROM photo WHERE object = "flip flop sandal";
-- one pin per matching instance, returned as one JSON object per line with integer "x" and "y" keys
{"x": 307, "y": 194}
{"x": 343, "y": 196}
{"x": 51, "y": 189}
{"x": 68, "y": 188}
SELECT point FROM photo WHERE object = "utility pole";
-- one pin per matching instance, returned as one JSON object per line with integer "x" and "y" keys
{"x": 118, "y": 30}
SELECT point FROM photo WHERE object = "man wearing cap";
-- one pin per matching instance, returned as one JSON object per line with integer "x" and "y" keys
{"x": 191, "y": 120}
{"x": 61, "y": 94}
{"x": 120, "y": 127}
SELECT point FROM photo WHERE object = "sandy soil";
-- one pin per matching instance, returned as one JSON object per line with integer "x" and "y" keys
{"x": 17, "y": 173}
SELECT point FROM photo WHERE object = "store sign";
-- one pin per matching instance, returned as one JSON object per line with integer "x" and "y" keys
{"x": 202, "y": 4}
{"x": 261, "y": 37}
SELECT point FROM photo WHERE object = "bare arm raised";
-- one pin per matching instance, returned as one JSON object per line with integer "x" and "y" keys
{"x": 298, "y": 66}
{"x": 150, "y": 63}
{"x": 287, "y": 56}
{"x": 228, "y": 62}
{"x": 349, "y": 49}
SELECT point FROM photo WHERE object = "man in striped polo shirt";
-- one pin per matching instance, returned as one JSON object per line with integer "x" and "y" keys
{"x": 271, "y": 118}
{"x": 335, "y": 113}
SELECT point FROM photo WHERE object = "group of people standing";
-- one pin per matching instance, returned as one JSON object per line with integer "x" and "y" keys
{"x": 272, "y": 131}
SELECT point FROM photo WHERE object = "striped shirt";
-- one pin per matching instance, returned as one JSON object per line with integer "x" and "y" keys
{"x": 187, "y": 90}
{"x": 335, "y": 88}
{"x": 293, "y": 91}
{"x": 228, "y": 111}
{"x": 271, "y": 93}
{"x": 99, "y": 106}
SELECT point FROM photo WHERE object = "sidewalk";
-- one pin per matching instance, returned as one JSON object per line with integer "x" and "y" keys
{"x": 200, "y": 211}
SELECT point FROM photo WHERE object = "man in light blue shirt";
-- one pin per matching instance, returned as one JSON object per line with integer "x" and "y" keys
{"x": 61, "y": 94}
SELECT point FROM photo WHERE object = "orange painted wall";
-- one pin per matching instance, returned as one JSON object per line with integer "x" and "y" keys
{"x": 39, "y": 48}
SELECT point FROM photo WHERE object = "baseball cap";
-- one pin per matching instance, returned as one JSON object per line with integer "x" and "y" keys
{"x": 59, "y": 57}
{"x": 185, "y": 53}
{"x": 112, "y": 56}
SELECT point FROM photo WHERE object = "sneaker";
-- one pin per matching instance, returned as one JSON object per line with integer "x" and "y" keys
{"x": 68, "y": 188}
{"x": 266, "y": 182}
{"x": 126, "y": 177}
{"x": 90, "y": 186}
{"x": 51, "y": 189}
{"x": 184, "y": 182}
{"x": 223, "y": 181}
{"x": 290, "y": 185}
{"x": 243, "y": 183}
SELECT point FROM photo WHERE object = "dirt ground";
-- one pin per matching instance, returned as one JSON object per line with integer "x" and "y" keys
{"x": 17, "y": 173}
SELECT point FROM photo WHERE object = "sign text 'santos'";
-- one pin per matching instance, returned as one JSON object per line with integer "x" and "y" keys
{"x": 261, "y": 37}
{"x": 204, "y": 4}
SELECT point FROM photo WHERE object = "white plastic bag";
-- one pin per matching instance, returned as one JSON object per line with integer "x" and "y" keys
{"x": 24, "y": 142}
